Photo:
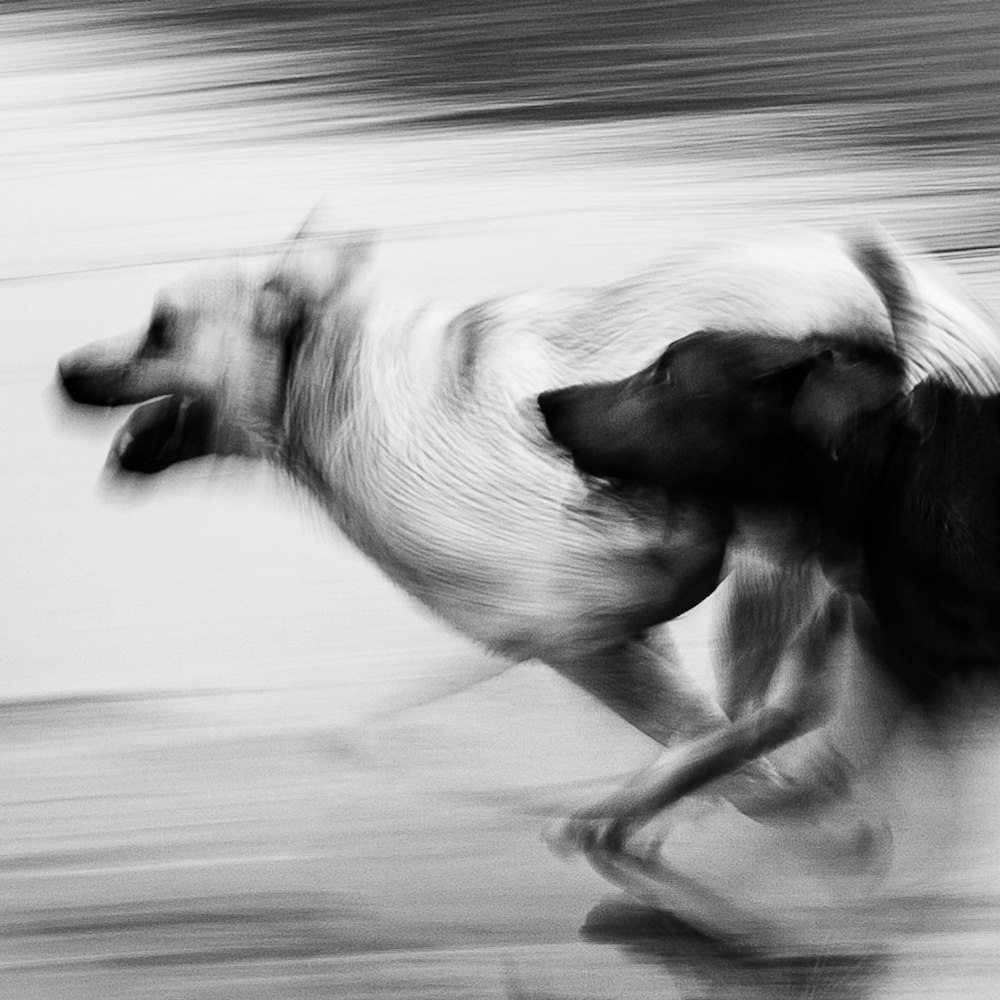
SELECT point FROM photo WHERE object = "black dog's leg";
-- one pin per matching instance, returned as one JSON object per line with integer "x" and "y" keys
{"x": 771, "y": 594}
{"x": 767, "y": 600}
{"x": 644, "y": 683}
{"x": 801, "y": 702}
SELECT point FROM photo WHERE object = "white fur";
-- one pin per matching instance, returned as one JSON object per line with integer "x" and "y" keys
{"x": 414, "y": 428}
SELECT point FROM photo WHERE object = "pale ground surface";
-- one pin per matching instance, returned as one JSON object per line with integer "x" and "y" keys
{"x": 221, "y": 819}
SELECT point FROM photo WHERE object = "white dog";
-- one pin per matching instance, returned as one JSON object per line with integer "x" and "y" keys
{"x": 413, "y": 429}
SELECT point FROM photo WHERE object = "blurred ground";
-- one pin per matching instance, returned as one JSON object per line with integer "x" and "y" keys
{"x": 150, "y": 853}
{"x": 195, "y": 799}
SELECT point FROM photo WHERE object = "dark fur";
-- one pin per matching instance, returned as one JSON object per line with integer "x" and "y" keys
{"x": 896, "y": 494}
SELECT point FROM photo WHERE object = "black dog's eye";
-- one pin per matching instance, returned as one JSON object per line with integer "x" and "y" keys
{"x": 662, "y": 370}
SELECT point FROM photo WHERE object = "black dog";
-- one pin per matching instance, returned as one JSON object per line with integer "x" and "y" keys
{"x": 895, "y": 493}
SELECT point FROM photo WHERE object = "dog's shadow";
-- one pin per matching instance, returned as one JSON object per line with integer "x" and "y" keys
{"x": 721, "y": 968}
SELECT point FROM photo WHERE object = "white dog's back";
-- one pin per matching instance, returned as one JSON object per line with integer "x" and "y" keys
{"x": 442, "y": 476}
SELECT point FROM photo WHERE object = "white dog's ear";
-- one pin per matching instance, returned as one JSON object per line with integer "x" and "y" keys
{"x": 321, "y": 259}
{"x": 321, "y": 221}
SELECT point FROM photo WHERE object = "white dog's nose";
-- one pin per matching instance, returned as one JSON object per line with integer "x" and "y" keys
{"x": 105, "y": 374}
{"x": 77, "y": 380}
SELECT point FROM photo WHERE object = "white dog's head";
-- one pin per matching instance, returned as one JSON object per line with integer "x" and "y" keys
{"x": 210, "y": 367}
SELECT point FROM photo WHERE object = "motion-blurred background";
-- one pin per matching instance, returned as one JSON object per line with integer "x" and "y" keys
{"x": 195, "y": 801}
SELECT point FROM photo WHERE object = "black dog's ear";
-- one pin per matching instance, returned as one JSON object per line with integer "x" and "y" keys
{"x": 921, "y": 416}
{"x": 783, "y": 364}
{"x": 793, "y": 378}
{"x": 780, "y": 360}
{"x": 841, "y": 387}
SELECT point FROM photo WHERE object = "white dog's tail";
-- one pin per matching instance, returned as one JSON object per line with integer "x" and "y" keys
{"x": 938, "y": 329}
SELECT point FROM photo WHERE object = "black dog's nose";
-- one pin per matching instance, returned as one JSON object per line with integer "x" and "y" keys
{"x": 550, "y": 404}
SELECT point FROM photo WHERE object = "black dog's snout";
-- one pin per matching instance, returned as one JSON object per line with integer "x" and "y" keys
{"x": 546, "y": 403}
{"x": 574, "y": 414}
{"x": 584, "y": 420}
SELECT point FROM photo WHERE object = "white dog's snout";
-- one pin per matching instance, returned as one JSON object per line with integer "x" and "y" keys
{"x": 84, "y": 383}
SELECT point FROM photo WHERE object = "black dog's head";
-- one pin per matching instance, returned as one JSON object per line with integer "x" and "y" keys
{"x": 719, "y": 412}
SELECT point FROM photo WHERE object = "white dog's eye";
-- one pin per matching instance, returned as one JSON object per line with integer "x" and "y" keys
{"x": 158, "y": 331}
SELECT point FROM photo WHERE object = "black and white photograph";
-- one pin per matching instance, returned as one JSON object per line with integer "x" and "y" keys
{"x": 501, "y": 500}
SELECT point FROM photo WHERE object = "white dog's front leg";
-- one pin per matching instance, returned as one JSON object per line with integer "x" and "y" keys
{"x": 644, "y": 683}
